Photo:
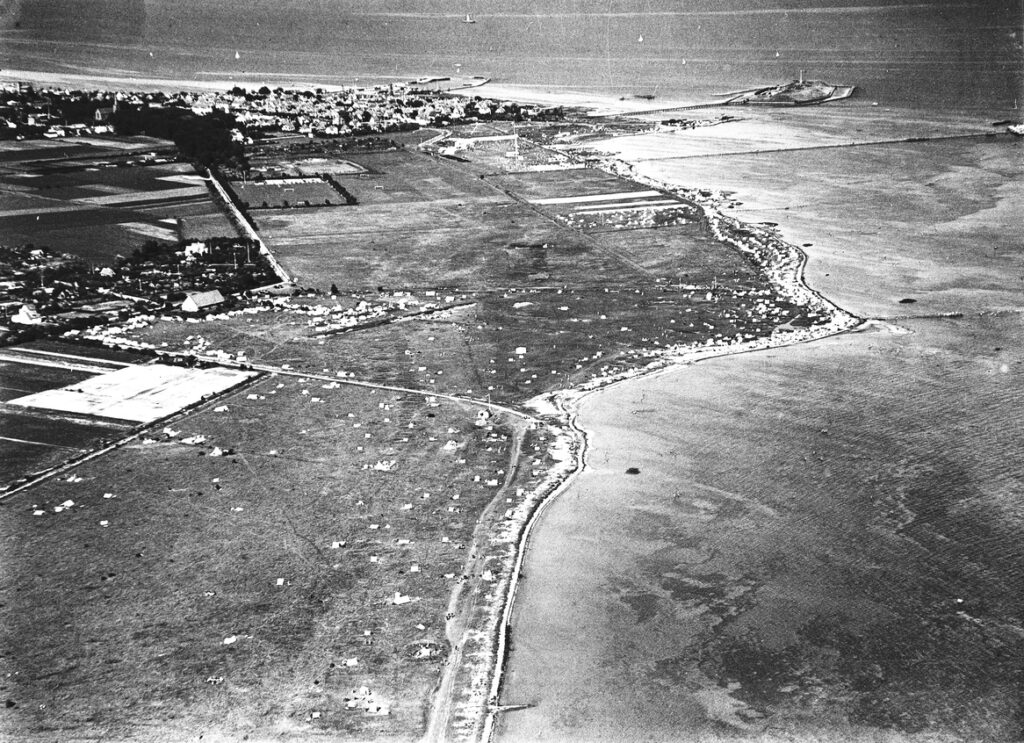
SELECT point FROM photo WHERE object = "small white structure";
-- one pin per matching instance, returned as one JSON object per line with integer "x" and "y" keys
{"x": 27, "y": 315}
{"x": 196, "y": 247}
{"x": 202, "y": 301}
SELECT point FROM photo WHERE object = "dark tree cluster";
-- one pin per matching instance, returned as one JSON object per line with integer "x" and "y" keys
{"x": 206, "y": 139}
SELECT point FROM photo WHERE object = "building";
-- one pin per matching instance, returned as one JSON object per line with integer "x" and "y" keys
{"x": 202, "y": 301}
{"x": 27, "y": 315}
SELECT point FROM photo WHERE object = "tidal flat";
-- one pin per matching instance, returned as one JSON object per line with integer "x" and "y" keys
{"x": 823, "y": 540}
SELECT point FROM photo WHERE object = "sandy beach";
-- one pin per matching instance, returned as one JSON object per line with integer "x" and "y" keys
{"x": 128, "y": 82}
{"x": 570, "y": 98}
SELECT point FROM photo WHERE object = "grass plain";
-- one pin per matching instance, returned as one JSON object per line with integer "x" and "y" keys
{"x": 228, "y": 595}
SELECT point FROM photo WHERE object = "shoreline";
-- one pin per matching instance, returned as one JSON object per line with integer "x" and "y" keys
{"x": 151, "y": 84}
{"x": 784, "y": 264}
{"x": 567, "y": 404}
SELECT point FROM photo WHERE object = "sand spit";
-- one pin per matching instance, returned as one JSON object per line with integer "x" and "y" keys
{"x": 597, "y": 103}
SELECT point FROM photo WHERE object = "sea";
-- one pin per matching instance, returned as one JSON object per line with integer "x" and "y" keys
{"x": 933, "y": 53}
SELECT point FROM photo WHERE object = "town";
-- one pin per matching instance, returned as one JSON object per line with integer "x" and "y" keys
{"x": 27, "y": 112}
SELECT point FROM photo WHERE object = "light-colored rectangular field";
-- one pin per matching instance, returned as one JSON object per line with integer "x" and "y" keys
{"x": 140, "y": 393}
{"x": 631, "y": 206}
{"x": 617, "y": 196}
{"x": 130, "y": 198}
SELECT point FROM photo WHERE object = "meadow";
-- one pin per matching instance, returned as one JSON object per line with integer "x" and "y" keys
{"x": 248, "y": 568}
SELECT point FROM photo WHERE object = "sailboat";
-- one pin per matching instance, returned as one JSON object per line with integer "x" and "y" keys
{"x": 468, "y": 19}
{"x": 237, "y": 55}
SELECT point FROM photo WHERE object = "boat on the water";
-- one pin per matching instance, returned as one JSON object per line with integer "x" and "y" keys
{"x": 468, "y": 19}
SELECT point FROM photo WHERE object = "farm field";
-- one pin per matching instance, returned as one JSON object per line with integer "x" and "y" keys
{"x": 32, "y": 443}
{"x": 286, "y": 577}
{"x": 135, "y": 393}
{"x": 593, "y": 201}
{"x": 406, "y": 246}
{"x": 558, "y": 184}
{"x": 59, "y": 400}
{"x": 86, "y": 149}
{"x": 97, "y": 203}
{"x": 34, "y": 440}
{"x": 405, "y": 175}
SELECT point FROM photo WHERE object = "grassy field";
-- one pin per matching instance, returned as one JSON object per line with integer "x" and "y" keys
{"x": 581, "y": 303}
{"x": 478, "y": 237}
{"x": 227, "y": 595}
{"x": 569, "y": 335}
{"x": 409, "y": 176}
{"x": 85, "y": 149}
{"x": 33, "y": 443}
{"x": 405, "y": 245}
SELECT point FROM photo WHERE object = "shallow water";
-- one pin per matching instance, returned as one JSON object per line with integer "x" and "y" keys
{"x": 822, "y": 541}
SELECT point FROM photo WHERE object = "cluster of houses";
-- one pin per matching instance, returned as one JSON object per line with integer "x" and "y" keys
{"x": 27, "y": 112}
{"x": 60, "y": 112}
{"x": 340, "y": 112}
{"x": 44, "y": 292}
